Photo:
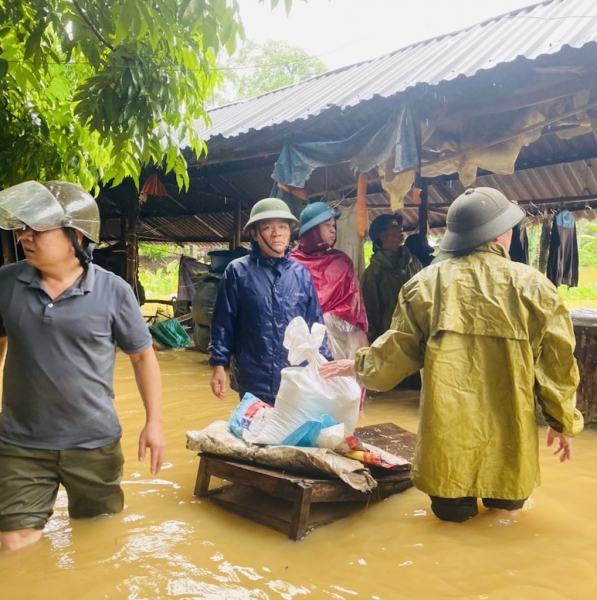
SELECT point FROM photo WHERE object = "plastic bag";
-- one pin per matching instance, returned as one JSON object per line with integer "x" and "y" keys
{"x": 170, "y": 334}
{"x": 304, "y": 396}
{"x": 308, "y": 433}
{"x": 249, "y": 416}
{"x": 344, "y": 339}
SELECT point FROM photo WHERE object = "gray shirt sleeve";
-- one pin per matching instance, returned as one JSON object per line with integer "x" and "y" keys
{"x": 2, "y": 328}
{"x": 130, "y": 330}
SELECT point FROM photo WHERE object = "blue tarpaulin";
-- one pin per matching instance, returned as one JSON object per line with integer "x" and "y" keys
{"x": 370, "y": 146}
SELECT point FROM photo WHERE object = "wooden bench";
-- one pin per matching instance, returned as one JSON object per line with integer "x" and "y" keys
{"x": 256, "y": 490}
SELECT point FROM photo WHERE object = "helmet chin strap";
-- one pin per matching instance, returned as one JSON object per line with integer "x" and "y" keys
{"x": 85, "y": 256}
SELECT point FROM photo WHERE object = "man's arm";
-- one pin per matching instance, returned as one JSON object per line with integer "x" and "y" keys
{"x": 556, "y": 380}
{"x": 3, "y": 346}
{"x": 223, "y": 325}
{"x": 149, "y": 383}
{"x": 395, "y": 355}
{"x": 556, "y": 375}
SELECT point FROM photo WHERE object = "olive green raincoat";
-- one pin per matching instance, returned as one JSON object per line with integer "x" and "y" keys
{"x": 381, "y": 283}
{"x": 491, "y": 334}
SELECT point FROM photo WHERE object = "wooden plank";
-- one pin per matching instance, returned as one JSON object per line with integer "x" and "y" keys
{"x": 203, "y": 477}
{"x": 253, "y": 514}
{"x": 257, "y": 468}
{"x": 272, "y": 482}
{"x": 301, "y": 493}
{"x": 384, "y": 490}
{"x": 389, "y": 437}
{"x": 300, "y": 511}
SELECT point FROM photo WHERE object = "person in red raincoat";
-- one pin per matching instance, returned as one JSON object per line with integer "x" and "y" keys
{"x": 335, "y": 280}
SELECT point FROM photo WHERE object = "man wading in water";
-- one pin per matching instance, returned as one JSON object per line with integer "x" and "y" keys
{"x": 61, "y": 319}
{"x": 491, "y": 335}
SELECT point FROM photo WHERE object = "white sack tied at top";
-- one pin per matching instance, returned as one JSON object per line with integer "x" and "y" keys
{"x": 304, "y": 396}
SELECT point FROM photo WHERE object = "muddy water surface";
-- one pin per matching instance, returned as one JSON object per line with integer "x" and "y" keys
{"x": 166, "y": 544}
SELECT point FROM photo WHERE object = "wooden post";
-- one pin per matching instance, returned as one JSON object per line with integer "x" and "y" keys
{"x": 300, "y": 511}
{"x": 236, "y": 239}
{"x": 122, "y": 253}
{"x": 203, "y": 477}
{"x": 423, "y": 208}
{"x": 8, "y": 248}
{"x": 132, "y": 246}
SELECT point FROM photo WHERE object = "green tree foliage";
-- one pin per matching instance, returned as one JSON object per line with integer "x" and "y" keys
{"x": 93, "y": 91}
{"x": 256, "y": 69}
{"x": 158, "y": 272}
{"x": 587, "y": 253}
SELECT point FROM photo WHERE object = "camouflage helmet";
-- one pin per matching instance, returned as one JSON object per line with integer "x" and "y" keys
{"x": 51, "y": 205}
{"x": 477, "y": 217}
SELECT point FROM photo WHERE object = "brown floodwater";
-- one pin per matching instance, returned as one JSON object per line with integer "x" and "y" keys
{"x": 167, "y": 544}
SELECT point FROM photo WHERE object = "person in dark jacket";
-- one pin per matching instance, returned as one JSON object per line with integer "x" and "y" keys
{"x": 259, "y": 295}
{"x": 391, "y": 266}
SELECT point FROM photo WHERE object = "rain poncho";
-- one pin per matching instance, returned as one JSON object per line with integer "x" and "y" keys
{"x": 381, "y": 283}
{"x": 491, "y": 335}
{"x": 339, "y": 294}
{"x": 336, "y": 283}
{"x": 256, "y": 300}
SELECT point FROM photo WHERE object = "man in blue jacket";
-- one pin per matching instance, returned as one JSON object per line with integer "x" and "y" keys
{"x": 259, "y": 295}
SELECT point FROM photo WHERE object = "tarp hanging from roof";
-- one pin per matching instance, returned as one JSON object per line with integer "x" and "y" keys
{"x": 370, "y": 146}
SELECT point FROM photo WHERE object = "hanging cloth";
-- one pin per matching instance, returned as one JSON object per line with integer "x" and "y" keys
{"x": 349, "y": 241}
{"x": 562, "y": 262}
{"x": 519, "y": 248}
{"x": 544, "y": 246}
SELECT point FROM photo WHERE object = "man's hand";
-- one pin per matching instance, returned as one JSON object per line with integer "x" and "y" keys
{"x": 337, "y": 368}
{"x": 218, "y": 382}
{"x": 564, "y": 444}
{"x": 152, "y": 437}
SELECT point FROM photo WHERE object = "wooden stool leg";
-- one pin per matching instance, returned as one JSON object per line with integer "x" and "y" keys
{"x": 300, "y": 511}
{"x": 203, "y": 477}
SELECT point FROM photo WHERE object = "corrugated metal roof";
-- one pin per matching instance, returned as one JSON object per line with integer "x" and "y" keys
{"x": 570, "y": 182}
{"x": 537, "y": 30}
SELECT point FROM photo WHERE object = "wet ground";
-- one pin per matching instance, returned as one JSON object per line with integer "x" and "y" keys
{"x": 167, "y": 544}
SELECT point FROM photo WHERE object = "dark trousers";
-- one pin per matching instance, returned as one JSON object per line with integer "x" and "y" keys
{"x": 459, "y": 510}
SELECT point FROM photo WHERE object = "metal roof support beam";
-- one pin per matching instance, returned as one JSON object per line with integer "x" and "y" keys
{"x": 538, "y": 202}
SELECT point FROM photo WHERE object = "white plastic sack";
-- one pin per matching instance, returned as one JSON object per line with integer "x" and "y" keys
{"x": 304, "y": 395}
{"x": 334, "y": 438}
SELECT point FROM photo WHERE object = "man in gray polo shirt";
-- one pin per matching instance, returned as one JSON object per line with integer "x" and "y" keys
{"x": 61, "y": 320}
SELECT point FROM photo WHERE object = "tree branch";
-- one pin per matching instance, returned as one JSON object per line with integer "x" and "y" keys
{"x": 93, "y": 28}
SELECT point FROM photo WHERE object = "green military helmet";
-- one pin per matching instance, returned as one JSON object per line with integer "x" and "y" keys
{"x": 51, "y": 205}
{"x": 477, "y": 217}
{"x": 270, "y": 208}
